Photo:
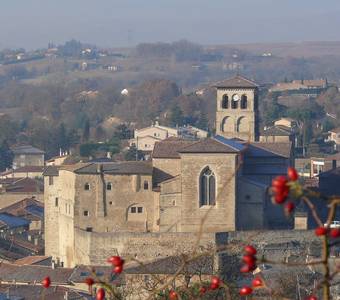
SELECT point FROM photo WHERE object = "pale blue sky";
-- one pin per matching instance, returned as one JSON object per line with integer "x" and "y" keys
{"x": 33, "y": 23}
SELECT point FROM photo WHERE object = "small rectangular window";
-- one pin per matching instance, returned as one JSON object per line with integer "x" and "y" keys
{"x": 86, "y": 213}
{"x": 146, "y": 185}
{"x": 56, "y": 202}
{"x": 140, "y": 210}
{"x": 50, "y": 180}
{"x": 89, "y": 229}
{"x": 133, "y": 210}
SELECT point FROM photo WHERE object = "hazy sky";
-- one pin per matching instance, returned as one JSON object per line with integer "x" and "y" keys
{"x": 33, "y": 23}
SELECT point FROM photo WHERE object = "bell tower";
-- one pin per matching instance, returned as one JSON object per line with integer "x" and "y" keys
{"x": 237, "y": 109}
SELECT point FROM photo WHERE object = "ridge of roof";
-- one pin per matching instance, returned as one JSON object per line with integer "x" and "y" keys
{"x": 208, "y": 145}
{"x": 237, "y": 81}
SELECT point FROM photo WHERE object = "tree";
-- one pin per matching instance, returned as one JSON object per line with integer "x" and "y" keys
{"x": 133, "y": 154}
{"x": 86, "y": 131}
{"x": 176, "y": 116}
{"x": 6, "y": 156}
{"x": 123, "y": 132}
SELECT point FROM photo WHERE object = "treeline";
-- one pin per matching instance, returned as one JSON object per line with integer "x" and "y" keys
{"x": 181, "y": 50}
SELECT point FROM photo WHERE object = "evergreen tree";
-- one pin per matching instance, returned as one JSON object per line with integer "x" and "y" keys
{"x": 176, "y": 116}
{"x": 6, "y": 156}
{"x": 133, "y": 154}
{"x": 86, "y": 131}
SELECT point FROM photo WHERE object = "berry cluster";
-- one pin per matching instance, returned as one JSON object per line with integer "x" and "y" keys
{"x": 281, "y": 188}
{"x": 215, "y": 283}
{"x": 249, "y": 260}
{"x": 322, "y": 231}
{"x": 117, "y": 263}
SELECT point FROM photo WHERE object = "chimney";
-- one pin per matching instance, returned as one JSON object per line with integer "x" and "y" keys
{"x": 99, "y": 168}
{"x": 53, "y": 265}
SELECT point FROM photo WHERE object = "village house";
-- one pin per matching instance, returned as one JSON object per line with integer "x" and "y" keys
{"x": 27, "y": 156}
{"x": 145, "y": 138}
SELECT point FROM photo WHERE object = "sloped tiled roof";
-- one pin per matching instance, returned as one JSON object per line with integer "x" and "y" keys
{"x": 235, "y": 143}
{"x": 26, "y": 169}
{"x": 25, "y": 206}
{"x": 130, "y": 167}
{"x": 208, "y": 145}
{"x": 25, "y": 185}
{"x": 269, "y": 149}
{"x": 277, "y": 131}
{"x": 236, "y": 82}
{"x": 51, "y": 171}
{"x": 31, "y": 274}
{"x": 27, "y": 149}
{"x": 11, "y": 221}
{"x": 169, "y": 148}
{"x": 34, "y": 292}
{"x": 31, "y": 260}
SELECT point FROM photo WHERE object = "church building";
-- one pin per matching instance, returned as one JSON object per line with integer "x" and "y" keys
{"x": 212, "y": 185}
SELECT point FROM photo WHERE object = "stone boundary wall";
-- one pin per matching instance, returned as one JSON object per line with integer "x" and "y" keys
{"x": 93, "y": 248}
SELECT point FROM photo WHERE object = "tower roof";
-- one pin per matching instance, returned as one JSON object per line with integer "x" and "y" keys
{"x": 236, "y": 82}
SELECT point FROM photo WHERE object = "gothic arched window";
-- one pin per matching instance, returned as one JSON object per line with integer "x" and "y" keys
{"x": 244, "y": 102}
{"x": 207, "y": 187}
{"x": 225, "y": 101}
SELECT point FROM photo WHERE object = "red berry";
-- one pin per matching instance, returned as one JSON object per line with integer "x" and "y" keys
{"x": 89, "y": 281}
{"x": 115, "y": 260}
{"x": 246, "y": 290}
{"x": 257, "y": 282}
{"x": 203, "y": 290}
{"x": 173, "y": 295}
{"x": 118, "y": 269}
{"x": 289, "y": 207}
{"x": 100, "y": 294}
{"x": 279, "y": 182}
{"x": 250, "y": 250}
{"x": 312, "y": 298}
{"x": 292, "y": 174}
{"x": 247, "y": 268}
{"x": 215, "y": 283}
{"x": 46, "y": 282}
{"x": 249, "y": 259}
{"x": 280, "y": 198}
{"x": 320, "y": 231}
{"x": 335, "y": 233}
{"x": 215, "y": 280}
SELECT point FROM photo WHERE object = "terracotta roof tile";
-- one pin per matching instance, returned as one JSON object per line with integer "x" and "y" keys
{"x": 31, "y": 273}
{"x": 25, "y": 185}
{"x": 169, "y": 148}
{"x": 281, "y": 149}
{"x": 30, "y": 260}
